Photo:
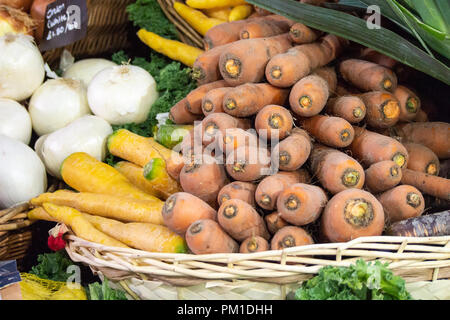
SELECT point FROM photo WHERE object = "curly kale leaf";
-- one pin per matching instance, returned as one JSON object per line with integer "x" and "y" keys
{"x": 361, "y": 281}
{"x": 147, "y": 14}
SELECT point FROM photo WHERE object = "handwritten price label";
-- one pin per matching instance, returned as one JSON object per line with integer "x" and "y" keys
{"x": 65, "y": 23}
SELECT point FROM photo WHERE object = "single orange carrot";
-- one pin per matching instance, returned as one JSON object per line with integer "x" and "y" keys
{"x": 213, "y": 100}
{"x": 351, "y": 214}
{"x": 368, "y": 76}
{"x": 247, "y": 99}
{"x": 409, "y": 103}
{"x": 383, "y": 109}
{"x": 248, "y": 163}
{"x": 205, "y": 236}
{"x": 331, "y": 131}
{"x": 382, "y": 176}
{"x": 274, "y": 120}
{"x": 269, "y": 26}
{"x": 206, "y": 66}
{"x": 290, "y": 236}
{"x": 254, "y": 244}
{"x": 348, "y": 107}
{"x": 422, "y": 158}
{"x": 275, "y": 222}
{"x": 195, "y": 97}
{"x": 309, "y": 96}
{"x": 429, "y": 184}
{"x": 335, "y": 170}
{"x": 214, "y": 126}
{"x": 402, "y": 202}
{"x": 301, "y": 34}
{"x": 240, "y": 220}
{"x": 291, "y": 153}
{"x": 182, "y": 209}
{"x": 179, "y": 113}
{"x": 237, "y": 190}
{"x": 223, "y": 33}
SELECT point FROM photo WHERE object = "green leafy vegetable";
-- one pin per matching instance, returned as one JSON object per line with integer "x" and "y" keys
{"x": 147, "y": 14}
{"x": 52, "y": 266}
{"x": 103, "y": 291}
{"x": 361, "y": 281}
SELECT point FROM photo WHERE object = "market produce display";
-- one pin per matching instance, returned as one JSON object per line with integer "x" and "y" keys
{"x": 273, "y": 135}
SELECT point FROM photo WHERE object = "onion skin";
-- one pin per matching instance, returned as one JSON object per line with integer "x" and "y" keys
{"x": 23, "y": 5}
{"x": 15, "y": 121}
{"x": 15, "y": 21}
{"x": 37, "y": 13}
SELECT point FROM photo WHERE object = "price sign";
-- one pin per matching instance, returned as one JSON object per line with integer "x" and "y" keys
{"x": 65, "y": 23}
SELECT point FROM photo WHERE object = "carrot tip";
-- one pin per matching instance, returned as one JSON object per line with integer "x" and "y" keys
{"x": 208, "y": 106}
{"x": 292, "y": 202}
{"x": 413, "y": 199}
{"x": 390, "y": 109}
{"x": 288, "y": 242}
{"x": 275, "y": 72}
{"x": 357, "y": 112}
{"x": 245, "y": 35}
{"x": 233, "y": 67}
{"x": 305, "y": 102}
{"x": 394, "y": 171}
{"x": 399, "y": 159}
{"x": 345, "y": 135}
{"x": 284, "y": 158}
{"x": 211, "y": 128}
{"x": 387, "y": 84}
{"x": 431, "y": 169}
{"x": 198, "y": 73}
{"x": 275, "y": 121}
{"x": 411, "y": 105}
{"x": 350, "y": 178}
{"x": 196, "y": 227}
{"x": 265, "y": 199}
{"x": 230, "y": 211}
{"x": 252, "y": 245}
{"x": 230, "y": 104}
{"x": 358, "y": 212}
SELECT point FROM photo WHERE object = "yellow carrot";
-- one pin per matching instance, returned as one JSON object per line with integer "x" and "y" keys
{"x": 141, "y": 150}
{"x": 209, "y": 4}
{"x": 84, "y": 173}
{"x": 80, "y": 225}
{"x": 173, "y": 49}
{"x": 164, "y": 184}
{"x": 143, "y": 236}
{"x": 240, "y": 12}
{"x": 39, "y": 213}
{"x": 156, "y": 174}
{"x": 218, "y": 13}
{"x": 197, "y": 19}
{"x": 109, "y": 206}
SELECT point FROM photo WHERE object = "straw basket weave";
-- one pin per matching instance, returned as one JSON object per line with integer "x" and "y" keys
{"x": 106, "y": 31}
{"x": 186, "y": 32}
{"x": 263, "y": 275}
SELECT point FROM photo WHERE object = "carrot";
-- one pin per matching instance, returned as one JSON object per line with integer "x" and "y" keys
{"x": 179, "y": 113}
{"x": 370, "y": 147}
{"x": 287, "y": 68}
{"x": 203, "y": 178}
{"x": 196, "y": 18}
{"x": 409, "y": 103}
{"x": 275, "y": 222}
{"x": 351, "y": 214}
{"x": 271, "y": 25}
{"x": 274, "y": 120}
{"x": 430, "y": 225}
{"x": 213, "y": 101}
{"x": 237, "y": 190}
{"x": 84, "y": 173}
{"x": 195, "y": 97}
{"x": 309, "y": 96}
{"x": 223, "y": 33}
{"x": 206, "y": 66}
{"x": 331, "y": 131}
{"x": 368, "y": 76}
{"x": 422, "y": 158}
{"x": 402, "y": 202}
{"x": 80, "y": 225}
{"x": 143, "y": 236}
{"x": 39, "y": 213}
{"x": 348, "y": 107}
{"x": 108, "y": 206}
{"x": 335, "y": 170}
{"x": 141, "y": 150}
{"x": 245, "y": 60}
{"x": 269, "y": 188}
{"x": 290, "y": 236}
{"x": 254, "y": 244}
{"x": 291, "y": 153}
{"x": 221, "y": 13}
{"x": 330, "y": 76}
{"x": 206, "y": 236}
{"x": 383, "y": 109}
{"x": 434, "y": 135}
{"x": 248, "y": 163}
{"x": 233, "y": 138}
{"x": 182, "y": 209}
{"x": 432, "y": 185}
{"x": 371, "y": 55}
{"x": 301, "y": 204}
{"x": 382, "y": 176}
{"x": 214, "y": 126}
{"x": 249, "y": 98}
{"x": 155, "y": 174}
{"x": 240, "y": 220}
{"x": 301, "y": 34}
{"x": 135, "y": 174}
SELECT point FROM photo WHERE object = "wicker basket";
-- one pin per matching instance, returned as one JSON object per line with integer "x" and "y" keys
{"x": 263, "y": 275}
{"x": 106, "y": 32}
{"x": 186, "y": 32}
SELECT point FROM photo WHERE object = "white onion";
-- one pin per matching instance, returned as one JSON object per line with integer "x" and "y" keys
{"x": 21, "y": 67}
{"x": 15, "y": 122}
{"x": 85, "y": 70}
{"x": 86, "y": 134}
{"x": 57, "y": 103}
{"x": 122, "y": 94}
{"x": 22, "y": 173}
